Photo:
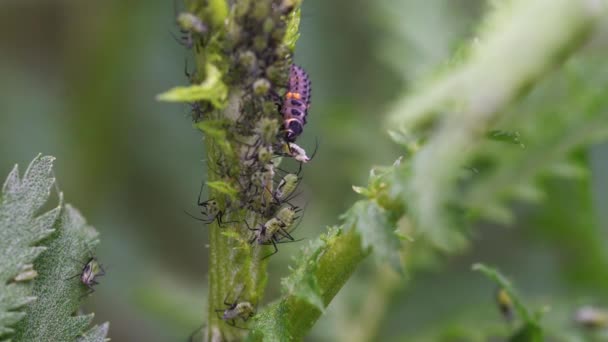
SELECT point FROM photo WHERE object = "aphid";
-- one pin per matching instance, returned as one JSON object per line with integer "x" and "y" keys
{"x": 236, "y": 310}
{"x": 505, "y": 304}
{"x": 210, "y": 209}
{"x": 296, "y": 103}
{"x": 287, "y": 186}
{"x": 189, "y": 26}
{"x": 591, "y": 317}
{"x": 296, "y": 152}
{"x": 275, "y": 229}
{"x": 90, "y": 272}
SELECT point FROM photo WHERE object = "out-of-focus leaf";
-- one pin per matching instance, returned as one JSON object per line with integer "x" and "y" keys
{"x": 376, "y": 230}
{"x": 505, "y": 284}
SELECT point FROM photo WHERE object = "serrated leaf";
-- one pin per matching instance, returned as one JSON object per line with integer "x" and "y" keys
{"x": 270, "y": 325}
{"x": 293, "y": 29}
{"x": 21, "y": 231}
{"x": 224, "y": 188}
{"x": 212, "y": 89}
{"x": 97, "y": 333}
{"x": 58, "y": 286}
{"x": 505, "y": 284}
{"x": 302, "y": 282}
{"x": 376, "y": 230}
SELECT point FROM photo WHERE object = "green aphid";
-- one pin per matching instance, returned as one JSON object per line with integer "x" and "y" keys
{"x": 275, "y": 229}
{"x": 286, "y": 187}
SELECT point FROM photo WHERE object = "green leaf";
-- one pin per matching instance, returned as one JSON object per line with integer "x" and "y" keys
{"x": 21, "y": 230}
{"x": 271, "y": 325}
{"x": 302, "y": 282}
{"x": 214, "y": 129}
{"x": 505, "y": 136}
{"x": 528, "y": 333}
{"x": 504, "y": 283}
{"x": 376, "y": 230}
{"x": 96, "y": 334}
{"x": 58, "y": 286}
{"x": 212, "y": 89}
{"x": 293, "y": 29}
{"x": 224, "y": 188}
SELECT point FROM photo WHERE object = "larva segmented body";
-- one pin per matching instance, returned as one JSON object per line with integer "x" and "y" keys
{"x": 296, "y": 103}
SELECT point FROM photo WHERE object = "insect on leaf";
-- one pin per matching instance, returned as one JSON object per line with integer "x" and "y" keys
{"x": 58, "y": 287}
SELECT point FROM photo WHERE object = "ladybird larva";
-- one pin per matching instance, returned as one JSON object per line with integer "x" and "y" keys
{"x": 296, "y": 103}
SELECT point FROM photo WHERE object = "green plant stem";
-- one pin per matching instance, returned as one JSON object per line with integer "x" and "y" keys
{"x": 332, "y": 267}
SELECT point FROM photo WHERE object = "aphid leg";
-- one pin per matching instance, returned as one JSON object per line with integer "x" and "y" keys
{"x": 286, "y": 234}
{"x": 276, "y": 249}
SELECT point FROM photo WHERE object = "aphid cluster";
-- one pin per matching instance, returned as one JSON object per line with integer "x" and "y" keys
{"x": 257, "y": 134}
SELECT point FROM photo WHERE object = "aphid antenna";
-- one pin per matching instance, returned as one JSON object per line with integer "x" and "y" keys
{"x": 315, "y": 151}
{"x": 199, "y": 219}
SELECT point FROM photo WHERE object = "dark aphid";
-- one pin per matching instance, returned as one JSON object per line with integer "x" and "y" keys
{"x": 505, "y": 304}
{"x": 210, "y": 209}
{"x": 90, "y": 272}
{"x": 592, "y": 317}
{"x": 275, "y": 230}
{"x": 296, "y": 103}
{"x": 236, "y": 310}
{"x": 190, "y": 26}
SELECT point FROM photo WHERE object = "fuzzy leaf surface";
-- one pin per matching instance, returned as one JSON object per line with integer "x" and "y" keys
{"x": 22, "y": 228}
{"x": 58, "y": 286}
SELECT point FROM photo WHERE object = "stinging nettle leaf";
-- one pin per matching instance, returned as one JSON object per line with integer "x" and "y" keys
{"x": 97, "y": 333}
{"x": 212, "y": 89}
{"x": 20, "y": 232}
{"x": 293, "y": 29}
{"x": 377, "y": 231}
{"x": 58, "y": 287}
{"x": 302, "y": 282}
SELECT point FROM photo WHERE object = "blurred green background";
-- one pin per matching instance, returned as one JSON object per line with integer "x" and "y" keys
{"x": 78, "y": 81}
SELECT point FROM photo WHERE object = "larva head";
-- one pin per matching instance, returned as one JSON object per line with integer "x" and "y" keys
{"x": 293, "y": 129}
